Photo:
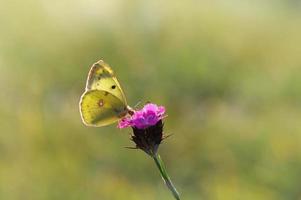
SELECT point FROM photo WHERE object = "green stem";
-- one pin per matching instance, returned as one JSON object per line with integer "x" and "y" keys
{"x": 165, "y": 176}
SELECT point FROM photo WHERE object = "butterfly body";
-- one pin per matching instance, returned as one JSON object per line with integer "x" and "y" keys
{"x": 103, "y": 101}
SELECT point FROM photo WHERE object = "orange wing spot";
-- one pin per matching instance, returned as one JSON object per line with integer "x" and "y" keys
{"x": 100, "y": 103}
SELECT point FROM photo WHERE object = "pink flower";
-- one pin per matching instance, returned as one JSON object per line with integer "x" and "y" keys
{"x": 148, "y": 116}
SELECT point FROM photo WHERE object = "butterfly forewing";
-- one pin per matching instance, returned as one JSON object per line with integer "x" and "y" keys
{"x": 102, "y": 77}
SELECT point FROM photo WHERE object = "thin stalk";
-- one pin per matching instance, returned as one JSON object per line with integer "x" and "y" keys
{"x": 165, "y": 176}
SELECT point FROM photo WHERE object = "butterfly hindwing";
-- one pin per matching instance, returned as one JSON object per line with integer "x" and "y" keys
{"x": 102, "y": 77}
{"x": 100, "y": 108}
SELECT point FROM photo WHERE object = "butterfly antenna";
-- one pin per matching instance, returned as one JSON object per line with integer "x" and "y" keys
{"x": 137, "y": 104}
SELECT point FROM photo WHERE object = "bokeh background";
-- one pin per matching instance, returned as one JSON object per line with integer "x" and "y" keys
{"x": 228, "y": 72}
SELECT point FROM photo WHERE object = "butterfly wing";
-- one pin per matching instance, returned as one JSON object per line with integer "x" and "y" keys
{"x": 102, "y": 77}
{"x": 100, "y": 108}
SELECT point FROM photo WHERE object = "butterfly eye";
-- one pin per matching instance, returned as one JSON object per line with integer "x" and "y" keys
{"x": 113, "y": 86}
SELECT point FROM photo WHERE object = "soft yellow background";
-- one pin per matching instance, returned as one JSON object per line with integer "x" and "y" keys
{"x": 228, "y": 72}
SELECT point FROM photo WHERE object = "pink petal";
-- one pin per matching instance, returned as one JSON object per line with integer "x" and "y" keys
{"x": 124, "y": 123}
{"x": 150, "y": 107}
{"x": 161, "y": 110}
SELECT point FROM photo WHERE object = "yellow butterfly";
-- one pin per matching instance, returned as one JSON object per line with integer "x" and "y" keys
{"x": 103, "y": 101}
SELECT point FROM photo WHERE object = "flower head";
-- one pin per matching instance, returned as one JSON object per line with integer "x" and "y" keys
{"x": 147, "y": 127}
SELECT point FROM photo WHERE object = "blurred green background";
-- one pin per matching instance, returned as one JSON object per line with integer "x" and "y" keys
{"x": 228, "y": 72}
